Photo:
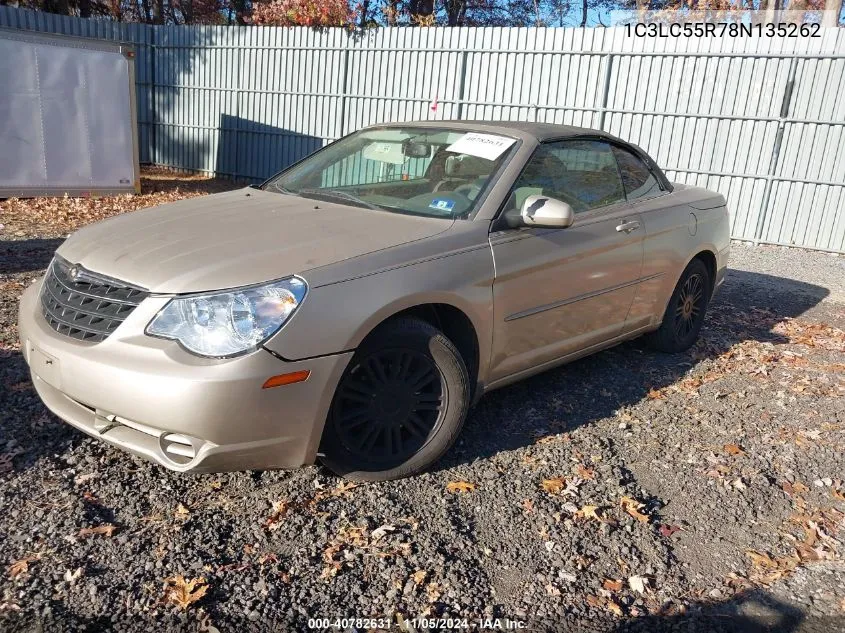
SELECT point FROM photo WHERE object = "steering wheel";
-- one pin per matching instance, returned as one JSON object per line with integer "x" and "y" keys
{"x": 469, "y": 190}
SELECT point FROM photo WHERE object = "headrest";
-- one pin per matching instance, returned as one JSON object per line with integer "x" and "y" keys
{"x": 464, "y": 165}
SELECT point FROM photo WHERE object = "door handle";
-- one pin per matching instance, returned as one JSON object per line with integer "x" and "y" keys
{"x": 627, "y": 227}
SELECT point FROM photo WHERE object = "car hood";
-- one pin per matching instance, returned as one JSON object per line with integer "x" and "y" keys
{"x": 235, "y": 239}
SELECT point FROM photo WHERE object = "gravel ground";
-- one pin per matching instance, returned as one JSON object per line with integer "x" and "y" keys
{"x": 822, "y": 269}
{"x": 629, "y": 491}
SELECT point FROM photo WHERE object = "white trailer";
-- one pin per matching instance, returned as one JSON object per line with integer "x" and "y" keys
{"x": 68, "y": 123}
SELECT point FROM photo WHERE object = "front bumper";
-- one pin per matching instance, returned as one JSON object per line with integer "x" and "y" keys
{"x": 154, "y": 399}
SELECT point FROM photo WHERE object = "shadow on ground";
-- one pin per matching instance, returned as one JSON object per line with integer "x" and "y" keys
{"x": 749, "y": 612}
{"x": 27, "y": 256}
{"x": 593, "y": 388}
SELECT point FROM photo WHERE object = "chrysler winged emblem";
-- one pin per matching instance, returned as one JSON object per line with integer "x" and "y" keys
{"x": 79, "y": 275}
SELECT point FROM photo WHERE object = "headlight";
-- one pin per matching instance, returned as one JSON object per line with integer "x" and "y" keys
{"x": 229, "y": 323}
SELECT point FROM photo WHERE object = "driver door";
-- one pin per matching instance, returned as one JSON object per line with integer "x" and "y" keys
{"x": 559, "y": 291}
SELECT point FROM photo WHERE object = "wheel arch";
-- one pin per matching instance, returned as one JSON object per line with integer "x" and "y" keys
{"x": 707, "y": 254}
{"x": 450, "y": 319}
{"x": 708, "y": 258}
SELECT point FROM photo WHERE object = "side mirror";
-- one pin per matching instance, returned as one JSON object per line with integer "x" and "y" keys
{"x": 546, "y": 212}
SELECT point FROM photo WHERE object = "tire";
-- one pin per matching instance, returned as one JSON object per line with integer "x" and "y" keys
{"x": 399, "y": 406}
{"x": 684, "y": 314}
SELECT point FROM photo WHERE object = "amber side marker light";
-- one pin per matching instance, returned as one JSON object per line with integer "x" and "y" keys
{"x": 286, "y": 379}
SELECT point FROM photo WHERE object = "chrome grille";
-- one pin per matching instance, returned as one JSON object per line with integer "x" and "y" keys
{"x": 85, "y": 305}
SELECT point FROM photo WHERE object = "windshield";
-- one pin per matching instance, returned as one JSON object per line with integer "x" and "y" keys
{"x": 434, "y": 172}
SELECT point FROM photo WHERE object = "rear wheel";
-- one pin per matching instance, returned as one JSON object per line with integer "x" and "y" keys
{"x": 399, "y": 405}
{"x": 684, "y": 315}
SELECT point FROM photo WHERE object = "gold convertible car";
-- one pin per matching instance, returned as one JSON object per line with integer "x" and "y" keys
{"x": 355, "y": 305}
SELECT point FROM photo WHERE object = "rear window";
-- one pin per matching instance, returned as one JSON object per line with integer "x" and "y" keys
{"x": 639, "y": 182}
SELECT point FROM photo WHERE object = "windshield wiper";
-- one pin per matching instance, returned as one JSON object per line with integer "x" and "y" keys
{"x": 333, "y": 194}
{"x": 280, "y": 189}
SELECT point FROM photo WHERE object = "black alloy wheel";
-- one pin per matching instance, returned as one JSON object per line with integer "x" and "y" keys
{"x": 389, "y": 405}
{"x": 689, "y": 306}
{"x": 684, "y": 314}
{"x": 399, "y": 405}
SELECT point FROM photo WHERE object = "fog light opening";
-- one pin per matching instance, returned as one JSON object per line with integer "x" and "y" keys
{"x": 178, "y": 448}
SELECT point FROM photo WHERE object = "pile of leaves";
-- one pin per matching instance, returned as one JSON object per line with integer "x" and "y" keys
{"x": 761, "y": 359}
{"x": 58, "y": 216}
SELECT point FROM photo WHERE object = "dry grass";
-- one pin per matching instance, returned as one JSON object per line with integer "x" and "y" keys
{"x": 59, "y": 216}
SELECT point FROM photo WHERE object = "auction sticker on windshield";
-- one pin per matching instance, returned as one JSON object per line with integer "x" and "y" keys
{"x": 487, "y": 146}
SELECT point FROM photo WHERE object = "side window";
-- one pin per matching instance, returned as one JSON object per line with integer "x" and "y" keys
{"x": 581, "y": 173}
{"x": 638, "y": 180}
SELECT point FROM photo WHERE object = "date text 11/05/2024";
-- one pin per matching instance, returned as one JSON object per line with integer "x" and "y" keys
{"x": 413, "y": 624}
{"x": 721, "y": 29}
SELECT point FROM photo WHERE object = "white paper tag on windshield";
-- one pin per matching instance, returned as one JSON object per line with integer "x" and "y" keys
{"x": 487, "y": 146}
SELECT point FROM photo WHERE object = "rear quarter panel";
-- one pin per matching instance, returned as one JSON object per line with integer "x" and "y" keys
{"x": 679, "y": 226}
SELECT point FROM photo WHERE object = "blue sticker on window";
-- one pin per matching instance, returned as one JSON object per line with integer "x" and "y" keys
{"x": 442, "y": 204}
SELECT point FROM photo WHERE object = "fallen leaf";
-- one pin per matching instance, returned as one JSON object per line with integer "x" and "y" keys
{"x": 589, "y": 512}
{"x": 433, "y": 591}
{"x": 584, "y": 472}
{"x": 553, "y": 486}
{"x": 668, "y": 530}
{"x": 106, "y": 529}
{"x": 734, "y": 450}
{"x": 792, "y": 489}
{"x": 381, "y": 531}
{"x": 419, "y": 576}
{"x": 182, "y": 592}
{"x": 343, "y": 489}
{"x": 274, "y": 521}
{"x": 638, "y": 583}
{"x": 353, "y": 535}
{"x": 614, "y": 608}
{"x": 656, "y": 394}
{"x": 528, "y": 505}
{"x": 82, "y": 479}
{"x": 594, "y": 601}
{"x": 552, "y": 590}
{"x": 71, "y": 576}
{"x": 761, "y": 559}
{"x": 20, "y": 567}
{"x": 612, "y": 585}
{"x": 770, "y": 570}
{"x": 460, "y": 486}
{"x": 633, "y": 507}
{"x": 182, "y": 512}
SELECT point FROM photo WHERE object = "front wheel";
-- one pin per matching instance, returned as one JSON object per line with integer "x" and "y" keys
{"x": 684, "y": 315}
{"x": 398, "y": 406}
